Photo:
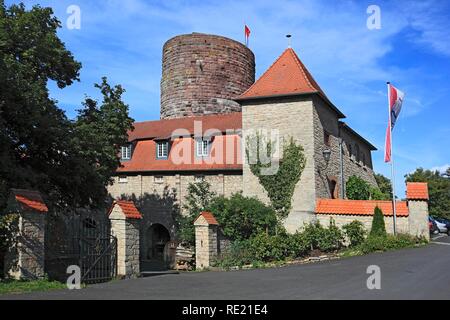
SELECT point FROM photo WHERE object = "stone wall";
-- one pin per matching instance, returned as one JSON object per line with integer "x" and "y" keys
{"x": 418, "y": 218}
{"x": 292, "y": 117}
{"x": 201, "y": 73}
{"x": 158, "y": 202}
{"x": 26, "y": 260}
{"x": 402, "y": 223}
{"x": 326, "y": 120}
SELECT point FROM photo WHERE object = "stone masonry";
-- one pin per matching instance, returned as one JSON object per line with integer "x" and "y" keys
{"x": 126, "y": 230}
{"x": 305, "y": 118}
{"x": 206, "y": 243}
{"x": 202, "y": 73}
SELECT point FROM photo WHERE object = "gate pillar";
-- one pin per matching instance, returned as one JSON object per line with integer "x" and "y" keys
{"x": 26, "y": 256}
{"x": 125, "y": 225}
{"x": 206, "y": 245}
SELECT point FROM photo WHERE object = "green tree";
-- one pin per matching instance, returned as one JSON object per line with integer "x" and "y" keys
{"x": 357, "y": 188}
{"x": 69, "y": 162}
{"x": 384, "y": 186}
{"x": 438, "y": 190}
{"x": 378, "y": 227}
{"x": 198, "y": 199}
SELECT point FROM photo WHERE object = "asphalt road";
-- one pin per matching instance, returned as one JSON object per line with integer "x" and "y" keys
{"x": 417, "y": 273}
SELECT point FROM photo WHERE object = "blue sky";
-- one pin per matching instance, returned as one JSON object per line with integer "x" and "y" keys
{"x": 123, "y": 39}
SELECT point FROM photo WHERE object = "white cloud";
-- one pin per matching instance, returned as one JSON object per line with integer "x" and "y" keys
{"x": 442, "y": 168}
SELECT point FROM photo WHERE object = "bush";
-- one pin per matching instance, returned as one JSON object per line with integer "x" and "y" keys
{"x": 324, "y": 239}
{"x": 378, "y": 228}
{"x": 242, "y": 217}
{"x": 354, "y": 232}
{"x": 238, "y": 254}
{"x": 269, "y": 248}
{"x": 389, "y": 242}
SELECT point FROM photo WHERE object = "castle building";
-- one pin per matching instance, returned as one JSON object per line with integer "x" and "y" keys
{"x": 209, "y": 101}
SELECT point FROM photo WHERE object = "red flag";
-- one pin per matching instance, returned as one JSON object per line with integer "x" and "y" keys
{"x": 395, "y": 105}
{"x": 247, "y": 34}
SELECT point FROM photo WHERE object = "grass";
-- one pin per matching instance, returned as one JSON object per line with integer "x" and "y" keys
{"x": 22, "y": 286}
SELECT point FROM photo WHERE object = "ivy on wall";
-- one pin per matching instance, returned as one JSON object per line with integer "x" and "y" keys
{"x": 279, "y": 179}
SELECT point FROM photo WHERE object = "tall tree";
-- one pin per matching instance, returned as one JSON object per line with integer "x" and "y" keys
{"x": 33, "y": 130}
{"x": 70, "y": 162}
{"x": 438, "y": 189}
{"x": 385, "y": 186}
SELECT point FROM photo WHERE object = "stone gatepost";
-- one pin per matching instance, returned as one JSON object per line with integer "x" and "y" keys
{"x": 26, "y": 257}
{"x": 206, "y": 245}
{"x": 125, "y": 225}
{"x": 417, "y": 197}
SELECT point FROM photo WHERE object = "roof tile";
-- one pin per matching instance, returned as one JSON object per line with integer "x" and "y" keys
{"x": 209, "y": 217}
{"x": 360, "y": 207}
{"x": 417, "y": 191}
{"x": 128, "y": 208}
{"x": 30, "y": 199}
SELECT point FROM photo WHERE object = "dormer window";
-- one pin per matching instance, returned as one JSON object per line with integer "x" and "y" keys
{"x": 126, "y": 152}
{"x": 203, "y": 147}
{"x": 162, "y": 149}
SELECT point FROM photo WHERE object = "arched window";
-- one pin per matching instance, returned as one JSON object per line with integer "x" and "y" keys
{"x": 333, "y": 188}
{"x": 350, "y": 151}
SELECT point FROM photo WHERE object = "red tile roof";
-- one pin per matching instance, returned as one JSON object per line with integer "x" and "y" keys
{"x": 417, "y": 191}
{"x": 286, "y": 76}
{"x": 128, "y": 208}
{"x": 209, "y": 217}
{"x": 359, "y": 207}
{"x": 225, "y": 155}
{"x": 163, "y": 129}
{"x": 30, "y": 199}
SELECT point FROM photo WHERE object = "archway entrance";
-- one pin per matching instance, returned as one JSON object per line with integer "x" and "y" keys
{"x": 157, "y": 238}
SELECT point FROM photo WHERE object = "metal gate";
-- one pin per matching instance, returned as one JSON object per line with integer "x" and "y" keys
{"x": 83, "y": 241}
{"x": 97, "y": 252}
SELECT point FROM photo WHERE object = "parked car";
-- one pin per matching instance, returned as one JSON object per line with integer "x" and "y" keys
{"x": 443, "y": 225}
{"x": 432, "y": 225}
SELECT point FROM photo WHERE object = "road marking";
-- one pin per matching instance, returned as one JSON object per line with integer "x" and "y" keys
{"x": 444, "y": 243}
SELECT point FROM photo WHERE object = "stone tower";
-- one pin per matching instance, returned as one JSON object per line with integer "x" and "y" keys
{"x": 202, "y": 73}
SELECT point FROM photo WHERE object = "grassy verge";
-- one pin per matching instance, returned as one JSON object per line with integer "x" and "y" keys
{"x": 18, "y": 286}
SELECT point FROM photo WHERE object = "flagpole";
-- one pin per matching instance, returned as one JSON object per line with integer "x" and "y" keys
{"x": 394, "y": 207}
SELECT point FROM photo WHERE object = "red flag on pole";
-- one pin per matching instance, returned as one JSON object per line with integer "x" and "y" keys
{"x": 247, "y": 34}
{"x": 395, "y": 105}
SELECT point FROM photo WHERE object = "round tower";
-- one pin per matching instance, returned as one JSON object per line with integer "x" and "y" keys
{"x": 201, "y": 73}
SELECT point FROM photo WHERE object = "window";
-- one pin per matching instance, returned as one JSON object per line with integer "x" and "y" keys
{"x": 326, "y": 138}
{"x": 203, "y": 148}
{"x": 162, "y": 149}
{"x": 123, "y": 179}
{"x": 126, "y": 152}
{"x": 350, "y": 151}
{"x": 333, "y": 187}
{"x": 364, "y": 159}
{"x": 159, "y": 179}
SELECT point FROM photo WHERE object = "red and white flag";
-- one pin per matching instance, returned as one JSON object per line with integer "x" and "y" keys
{"x": 395, "y": 106}
{"x": 247, "y": 34}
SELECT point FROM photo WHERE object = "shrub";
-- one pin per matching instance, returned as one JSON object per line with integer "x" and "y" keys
{"x": 242, "y": 217}
{"x": 389, "y": 242}
{"x": 354, "y": 232}
{"x": 378, "y": 228}
{"x": 238, "y": 254}
{"x": 324, "y": 239}
{"x": 299, "y": 245}
{"x": 269, "y": 248}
